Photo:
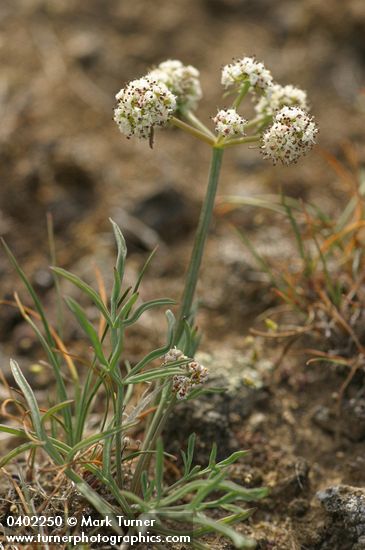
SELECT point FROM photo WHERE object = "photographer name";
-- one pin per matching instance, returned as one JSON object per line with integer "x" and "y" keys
{"x": 88, "y": 521}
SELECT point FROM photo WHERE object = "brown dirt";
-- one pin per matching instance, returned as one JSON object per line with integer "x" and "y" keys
{"x": 62, "y": 62}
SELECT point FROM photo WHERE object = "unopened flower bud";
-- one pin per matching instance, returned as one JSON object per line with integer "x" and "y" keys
{"x": 173, "y": 354}
{"x": 181, "y": 386}
{"x": 199, "y": 374}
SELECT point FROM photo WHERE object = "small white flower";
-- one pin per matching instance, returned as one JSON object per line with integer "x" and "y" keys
{"x": 291, "y": 135}
{"x": 229, "y": 123}
{"x": 181, "y": 386}
{"x": 142, "y": 105}
{"x": 181, "y": 80}
{"x": 249, "y": 70}
{"x": 278, "y": 96}
{"x": 199, "y": 374}
{"x": 173, "y": 354}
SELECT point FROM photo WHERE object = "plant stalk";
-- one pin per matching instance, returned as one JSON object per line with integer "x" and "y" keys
{"x": 200, "y": 239}
{"x": 153, "y": 432}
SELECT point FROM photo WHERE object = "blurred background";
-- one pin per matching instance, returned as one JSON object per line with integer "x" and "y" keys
{"x": 61, "y": 153}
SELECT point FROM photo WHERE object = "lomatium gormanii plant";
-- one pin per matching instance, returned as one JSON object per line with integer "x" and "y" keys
{"x": 168, "y": 96}
{"x": 105, "y": 464}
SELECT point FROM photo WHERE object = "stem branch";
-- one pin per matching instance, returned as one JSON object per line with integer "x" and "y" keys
{"x": 191, "y": 130}
{"x": 238, "y": 141}
{"x": 195, "y": 121}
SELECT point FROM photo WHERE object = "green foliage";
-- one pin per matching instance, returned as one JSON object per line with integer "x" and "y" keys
{"x": 63, "y": 433}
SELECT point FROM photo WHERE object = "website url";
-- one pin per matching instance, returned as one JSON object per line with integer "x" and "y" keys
{"x": 83, "y": 538}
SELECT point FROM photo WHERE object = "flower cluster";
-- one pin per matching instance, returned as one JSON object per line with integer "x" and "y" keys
{"x": 249, "y": 70}
{"x": 173, "y": 87}
{"x": 142, "y": 105}
{"x": 229, "y": 123}
{"x": 278, "y": 96}
{"x": 291, "y": 135}
{"x": 181, "y": 80}
{"x": 174, "y": 354}
{"x": 194, "y": 373}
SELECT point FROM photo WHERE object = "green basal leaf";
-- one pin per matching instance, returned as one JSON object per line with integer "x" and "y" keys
{"x": 209, "y": 525}
{"x": 188, "y": 458}
{"x": 146, "y": 306}
{"x": 231, "y": 459}
{"x": 143, "y": 270}
{"x": 17, "y": 432}
{"x": 23, "y": 448}
{"x": 147, "y": 376}
{"x": 30, "y": 399}
{"x": 88, "y": 329}
{"x": 121, "y": 248}
{"x": 87, "y": 289}
{"x": 31, "y": 291}
{"x": 55, "y": 409}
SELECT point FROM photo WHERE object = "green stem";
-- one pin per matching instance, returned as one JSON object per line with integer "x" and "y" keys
{"x": 195, "y": 121}
{"x": 239, "y": 141}
{"x": 200, "y": 238}
{"x": 191, "y": 130}
{"x": 243, "y": 91}
{"x": 254, "y": 122}
{"x": 119, "y": 435}
{"x": 153, "y": 432}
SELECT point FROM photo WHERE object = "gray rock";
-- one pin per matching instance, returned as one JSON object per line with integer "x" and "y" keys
{"x": 345, "y": 506}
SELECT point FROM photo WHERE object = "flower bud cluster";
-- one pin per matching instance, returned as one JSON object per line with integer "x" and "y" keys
{"x": 182, "y": 80}
{"x": 291, "y": 135}
{"x": 229, "y": 123}
{"x": 142, "y": 105}
{"x": 249, "y": 70}
{"x": 174, "y": 354}
{"x": 194, "y": 373}
{"x": 278, "y": 96}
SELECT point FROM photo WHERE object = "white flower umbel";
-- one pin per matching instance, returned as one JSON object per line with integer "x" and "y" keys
{"x": 142, "y": 105}
{"x": 249, "y": 70}
{"x": 278, "y": 96}
{"x": 291, "y": 135}
{"x": 181, "y": 80}
{"x": 229, "y": 123}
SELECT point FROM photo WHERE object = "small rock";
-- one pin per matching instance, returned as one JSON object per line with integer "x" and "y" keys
{"x": 346, "y": 508}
